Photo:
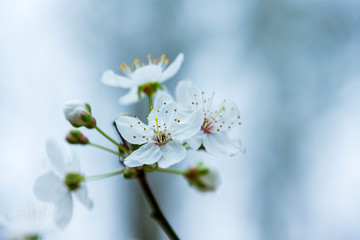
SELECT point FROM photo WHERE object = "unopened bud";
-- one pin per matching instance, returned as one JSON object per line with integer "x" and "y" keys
{"x": 76, "y": 137}
{"x": 73, "y": 181}
{"x": 79, "y": 114}
{"x": 131, "y": 173}
{"x": 203, "y": 177}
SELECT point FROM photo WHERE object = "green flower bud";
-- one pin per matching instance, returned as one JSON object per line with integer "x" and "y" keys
{"x": 76, "y": 137}
{"x": 131, "y": 173}
{"x": 203, "y": 177}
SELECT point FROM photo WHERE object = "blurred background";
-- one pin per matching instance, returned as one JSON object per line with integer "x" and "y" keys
{"x": 292, "y": 67}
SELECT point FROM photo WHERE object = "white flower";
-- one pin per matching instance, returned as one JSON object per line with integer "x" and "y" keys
{"x": 59, "y": 184}
{"x": 217, "y": 120}
{"x": 162, "y": 138}
{"x": 205, "y": 177}
{"x": 142, "y": 78}
{"x": 78, "y": 114}
{"x": 30, "y": 223}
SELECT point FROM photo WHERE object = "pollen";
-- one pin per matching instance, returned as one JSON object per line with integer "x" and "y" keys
{"x": 130, "y": 125}
{"x": 138, "y": 122}
{"x": 143, "y": 136}
{"x": 144, "y": 129}
{"x": 166, "y": 112}
{"x": 151, "y": 107}
{"x": 135, "y": 115}
{"x": 217, "y": 129}
{"x": 229, "y": 127}
{"x": 158, "y": 110}
{"x": 146, "y": 115}
{"x": 134, "y": 136}
{"x": 164, "y": 103}
{"x": 175, "y": 109}
{"x": 178, "y": 121}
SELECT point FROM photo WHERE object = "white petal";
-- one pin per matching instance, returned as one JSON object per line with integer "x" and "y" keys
{"x": 82, "y": 195}
{"x": 184, "y": 93}
{"x": 56, "y": 155}
{"x": 149, "y": 73}
{"x": 133, "y": 130}
{"x": 172, "y": 152}
{"x": 48, "y": 187}
{"x": 195, "y": 141}
{"x": 172, "y": 69}
{"x": 188, "y": 126}
{"x": 146, "y": 154}
{"x": 230, "y": 113}
{"x": 73, "y": 165}
{"x": 114, "y": 80}
{"x": 160, "y": 98}
{"x": 63, "y": 210}
{"x": 131, "y": 97}
{"x": 165, "y": 115}
{"x": 220, "y": 144}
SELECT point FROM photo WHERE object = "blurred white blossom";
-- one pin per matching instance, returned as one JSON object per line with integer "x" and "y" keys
{"x": 142, "y": 77}
{"x": 58, "y": 184}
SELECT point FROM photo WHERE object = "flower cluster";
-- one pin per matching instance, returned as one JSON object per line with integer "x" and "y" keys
{"x": 190, "y": 121}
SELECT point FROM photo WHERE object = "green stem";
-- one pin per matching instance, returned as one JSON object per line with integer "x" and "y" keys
{"x": 149, "y": 102}
{"x": 170, "y": 170}
{"x": 105, "y": 175}
{"x": 121, "y": 147}
{"x": 106, "y": 149}
{"x": 156, "y": 211}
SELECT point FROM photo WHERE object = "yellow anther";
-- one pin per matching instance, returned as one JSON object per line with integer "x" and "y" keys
{"x": 164, "y": 103}
{"x": 166, "y": 61}
{"x": 229, "y": 126}
{"x": 135, "y": 115}
{"x": 130, "y": 125}
{"x": 136, "y": 62}
{"x": 146, "y": 115}
{"x": 178, "y": 121}
{"x": 134, "y": 136}
{"x": 217, "y": 129}
{"x": 143, "y": 136}
{"x": 163, "y": 57}
{"x": 151, "y": 107}
{"x": 138, "y": 122}
{"x": 123, "y": 66}
{"x": 166, "y": 112}
{"x": 149, "y": 56}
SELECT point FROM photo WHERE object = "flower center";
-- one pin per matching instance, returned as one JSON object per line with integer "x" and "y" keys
{"x": 161, "y": 136}
{"x": 73, "y": 180}
{"x": 139, "y": 64}
{"x": 208, "y": 126}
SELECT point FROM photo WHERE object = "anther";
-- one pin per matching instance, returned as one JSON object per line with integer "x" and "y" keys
{"x": 217, "y": 129}
{"x": 134, "y": 136}
{"x": 130, "y": 125}
{"x": 178, "y": 121}
{"x": 151, "y": 107}
{"x": 138, "y": 122}
{"x": 164, "y": 103}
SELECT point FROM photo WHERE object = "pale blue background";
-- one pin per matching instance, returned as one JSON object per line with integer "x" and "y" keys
{"x": 291, "y": 66}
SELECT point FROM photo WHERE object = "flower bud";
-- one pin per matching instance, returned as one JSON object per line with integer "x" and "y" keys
{"x": 73, "y": 181}
{"x": 79, "y": 114}
{"x": 76, "y": 137}
{"x": 203, "y": 177}
{"x": 131, "y": 173}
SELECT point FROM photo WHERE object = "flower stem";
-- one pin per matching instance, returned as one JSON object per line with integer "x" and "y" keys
{"x": 156, "y": 211}
{"x": 149, "y": 102}
{"x": 169, "y": 170}
{"x": 122, "y": 148}
{"x": 106, "y": 149}
{"x": 105, "y": 175}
